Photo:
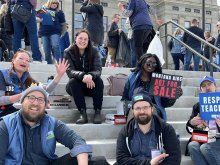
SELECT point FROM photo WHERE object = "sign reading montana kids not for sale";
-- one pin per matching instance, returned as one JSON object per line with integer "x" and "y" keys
{"x": 165, "y": 85}
{"x": 209, "y": 105}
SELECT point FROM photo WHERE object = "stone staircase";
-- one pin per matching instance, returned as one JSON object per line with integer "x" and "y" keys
{"x": 103, "y": 136}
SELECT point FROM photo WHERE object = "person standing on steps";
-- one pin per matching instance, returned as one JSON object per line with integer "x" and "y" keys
{"x": 84, "y": 75}
{"x": 94, "y": 20}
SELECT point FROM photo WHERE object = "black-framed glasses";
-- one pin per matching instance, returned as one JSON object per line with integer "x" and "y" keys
{"x": 145, "y": 108}
{"x": 32, "y": 98}
{"x": 150, "y": 63}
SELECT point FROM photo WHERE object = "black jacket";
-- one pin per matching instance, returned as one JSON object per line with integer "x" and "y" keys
{"x": 206, "y": 52}
{"x": 113, "y": 36}
{"x": 94, "y": 21}
{"x": 76, "y": 69}
{"x": 170, "y": 141}
{"x": 190, "y": 40}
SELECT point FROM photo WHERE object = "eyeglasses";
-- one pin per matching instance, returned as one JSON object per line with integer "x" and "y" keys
{"x": 150, "y": 63}
{"x": 55, "y": 3}
{"x": 144, "y": 109}
{"x": 40, "y": 100}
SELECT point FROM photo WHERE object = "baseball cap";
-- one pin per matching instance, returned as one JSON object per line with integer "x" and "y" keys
{"x": 141, "y": 97}
{"x": 207, "y": 78}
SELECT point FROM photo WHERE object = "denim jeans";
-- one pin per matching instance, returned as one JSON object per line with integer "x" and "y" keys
{"x": 177, "y": 57}
{"x": 188, "y": 57}
{"x": 196, "y": 154}
{"x": 51, "y": 45}
{"x": 32, "y": 32}
{"x": 211, "y": 152}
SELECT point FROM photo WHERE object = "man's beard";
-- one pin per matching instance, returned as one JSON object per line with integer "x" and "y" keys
{"x": 143, "y": 120}
{"x": 28, "y": 117}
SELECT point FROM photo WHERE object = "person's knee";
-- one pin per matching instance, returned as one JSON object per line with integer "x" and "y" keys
{"x": 193, "y": 146}
{"x": 99, "y": 83}
{"x": 72, "y": 83}
{"x": 204, "y": 148}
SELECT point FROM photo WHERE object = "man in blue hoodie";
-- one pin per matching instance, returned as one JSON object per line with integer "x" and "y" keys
{"x": 29, "y": 136}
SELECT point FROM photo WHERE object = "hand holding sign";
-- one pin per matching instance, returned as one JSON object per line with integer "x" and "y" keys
{"x": 209, "y": 105}
{"x": 166, "y": 85}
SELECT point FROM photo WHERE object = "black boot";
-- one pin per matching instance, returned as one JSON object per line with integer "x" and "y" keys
{"x": 83, "y": 117}
{"x": 97, "y": 117}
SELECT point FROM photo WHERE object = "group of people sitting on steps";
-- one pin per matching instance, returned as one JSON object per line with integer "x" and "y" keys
{"x": 146, "y": 138}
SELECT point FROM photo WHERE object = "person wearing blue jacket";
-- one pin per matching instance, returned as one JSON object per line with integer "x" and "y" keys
{"x": 140, "y": 79}
{"x": 29, "y": 136}
{"x": 139, "y": 12}
{"x": 177, "y": 49}
{"x": 52, "y": 27}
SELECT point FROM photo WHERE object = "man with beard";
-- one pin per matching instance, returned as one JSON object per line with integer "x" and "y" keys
{"x": 145, "y": 134}
{"x": 207, "y": 153}
{"x": 29, "y": 136}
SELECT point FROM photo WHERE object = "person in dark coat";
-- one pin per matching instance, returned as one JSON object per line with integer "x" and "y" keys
{"x": 113, "y": 38}
{"x": 84, "y": 75}
{"x": 194, "y": 44}
{"x": 143, "y": 134}
{"x": 94, "y": 20}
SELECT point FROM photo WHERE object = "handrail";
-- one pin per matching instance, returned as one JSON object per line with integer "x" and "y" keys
{"x": 211, "y": 47}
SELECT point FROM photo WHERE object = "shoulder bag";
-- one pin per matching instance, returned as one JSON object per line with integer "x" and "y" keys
{"x": 21, "y": 13}
{"x": 116, "y": 84}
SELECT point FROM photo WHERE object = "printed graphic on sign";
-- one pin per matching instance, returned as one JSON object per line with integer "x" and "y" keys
{"x": 209, "y": 105}
{"x": 165, "y": 85}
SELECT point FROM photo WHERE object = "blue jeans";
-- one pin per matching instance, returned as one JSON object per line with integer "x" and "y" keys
{"x": 177, "y": 57}
{"x": 51, "y": 45}
{"x": 211, "y": 152}
{"x": 188, "y": 57}
{"x": 196, "y": 153}
{"x": 32, "y": 32}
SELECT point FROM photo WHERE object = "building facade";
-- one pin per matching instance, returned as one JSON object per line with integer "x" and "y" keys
{"x": 180, "y": 11}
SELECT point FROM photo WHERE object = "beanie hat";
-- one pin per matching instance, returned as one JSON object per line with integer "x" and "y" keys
{"x": 32, "y": 89}
{"x": 141, "y": 97}
{"x": 207, "y": 78}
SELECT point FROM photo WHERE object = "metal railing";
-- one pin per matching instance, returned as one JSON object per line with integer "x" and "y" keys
{"x": 211, "y": 47}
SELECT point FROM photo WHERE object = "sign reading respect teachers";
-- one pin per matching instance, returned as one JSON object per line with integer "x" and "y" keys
{"x": 165, "y": 85}
{"x": 209, "y": 105}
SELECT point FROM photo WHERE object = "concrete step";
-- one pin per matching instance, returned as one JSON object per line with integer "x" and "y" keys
{"x": 108, "y": 102}
{"x": 111, "y": 101}
{"x": 71, "y": 115}
{"x": 111, "y": 71}
{"x": 106, "y": 147}
{"x": 187, "y": 81}
{"x": 185, "y": 160}
{"x": 187, "y": 90}
{"x": 178, "y": 114}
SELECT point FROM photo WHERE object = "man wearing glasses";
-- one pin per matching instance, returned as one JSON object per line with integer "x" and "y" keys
{"x": 146, "y": 139}
{"x": 29, "y": 136}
